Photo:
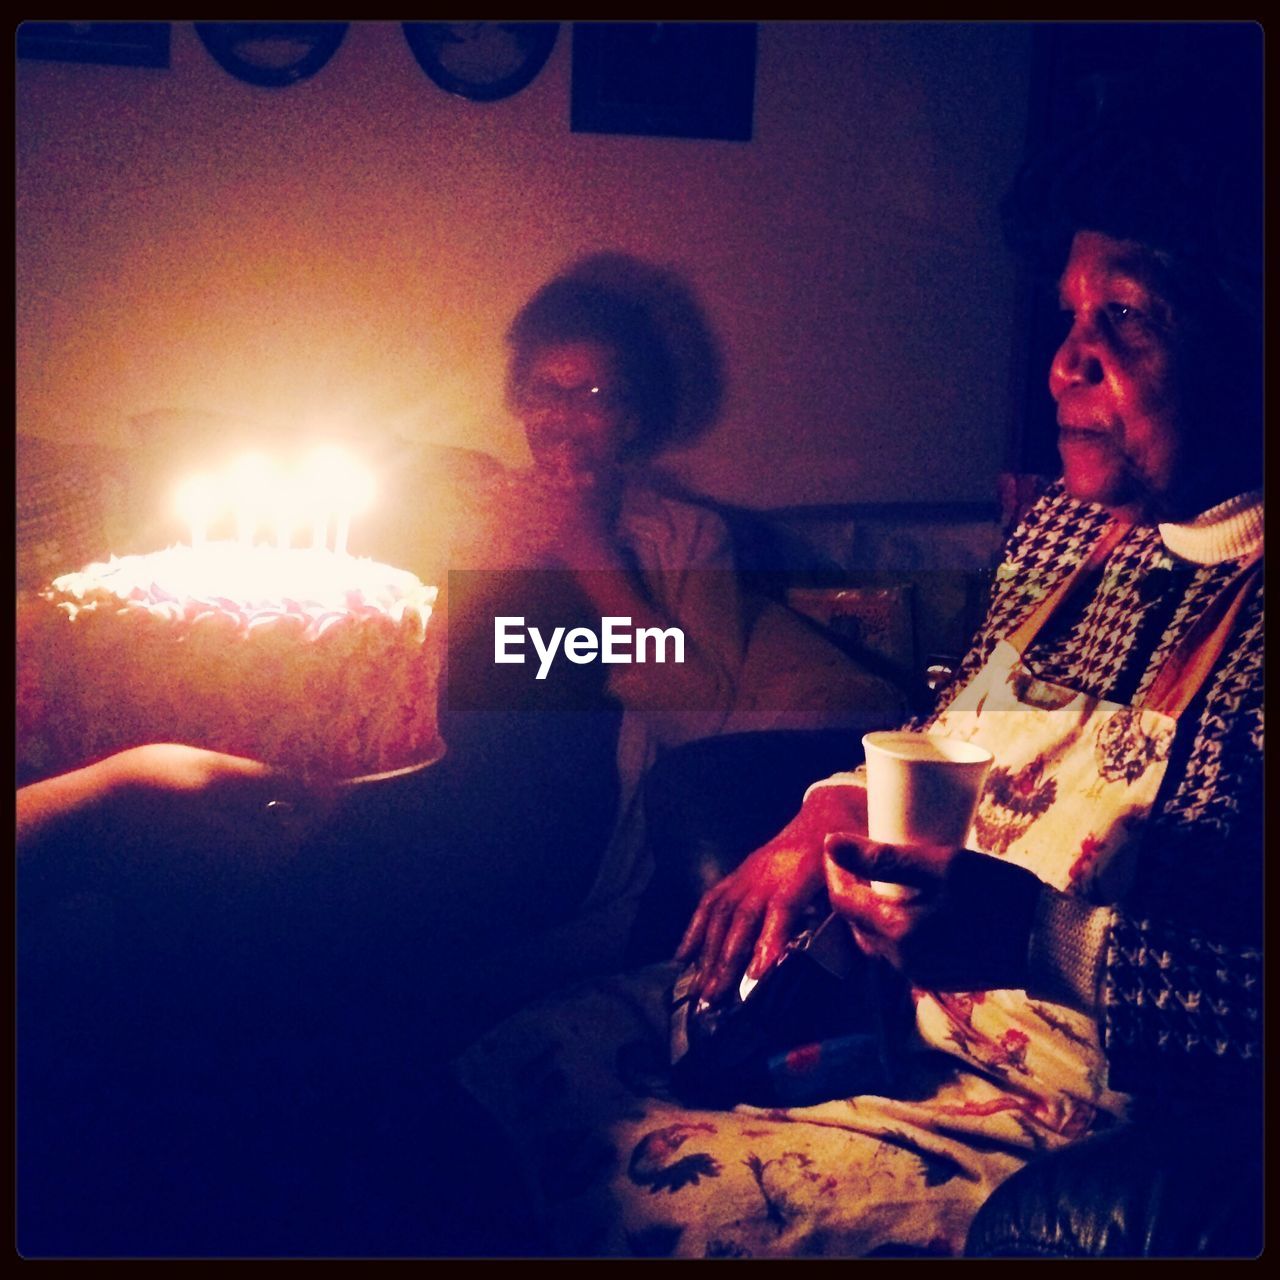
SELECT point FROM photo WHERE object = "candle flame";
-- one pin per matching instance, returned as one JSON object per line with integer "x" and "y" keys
{"x": 328, "y": 487}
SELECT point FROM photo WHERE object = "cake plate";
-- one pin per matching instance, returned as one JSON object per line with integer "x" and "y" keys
{"x": 435, "y": 757}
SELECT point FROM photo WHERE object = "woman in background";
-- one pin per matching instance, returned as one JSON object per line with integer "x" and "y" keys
{"x": 611, "y": 364}
{"x": 600, "y": 385}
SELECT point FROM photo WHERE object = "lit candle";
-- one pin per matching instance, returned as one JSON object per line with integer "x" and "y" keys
{"x": 250, "y": 488}
{"x": 321, "y": 481}
{"x": 336, "y": 487}
{"x": 357, "y": 494}
{"x": 286, "y": 512}
{"x": 197, "y": 502}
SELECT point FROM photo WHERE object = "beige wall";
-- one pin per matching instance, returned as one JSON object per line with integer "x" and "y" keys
{"x": 351, "y": 248}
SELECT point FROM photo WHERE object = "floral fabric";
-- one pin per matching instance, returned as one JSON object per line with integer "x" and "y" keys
{"x": 1074, "y": 778}
{"x": 619, "y": 1168}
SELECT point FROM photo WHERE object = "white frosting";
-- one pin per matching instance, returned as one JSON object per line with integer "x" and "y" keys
{"x": 252, "y": 579}
{"x": 1229, "y": 531}
{"x": 312, "y": 661}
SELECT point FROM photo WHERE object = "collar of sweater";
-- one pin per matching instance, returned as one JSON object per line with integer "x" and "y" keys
{"x": 1229, "y": 531}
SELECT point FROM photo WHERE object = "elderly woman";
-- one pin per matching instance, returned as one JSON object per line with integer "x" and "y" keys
{"x": 1090, "y": 962}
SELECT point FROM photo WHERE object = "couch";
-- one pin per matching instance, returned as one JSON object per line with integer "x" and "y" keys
{"x": 1176, "y": 1188}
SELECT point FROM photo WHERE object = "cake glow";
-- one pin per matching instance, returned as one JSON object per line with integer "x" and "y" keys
{"x": 310, "y": 659}
{"x": 251, "y": 488}
{"x": 198, "y": 504}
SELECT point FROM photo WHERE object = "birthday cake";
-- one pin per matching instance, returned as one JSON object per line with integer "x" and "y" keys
{"x": 312, "y": 661}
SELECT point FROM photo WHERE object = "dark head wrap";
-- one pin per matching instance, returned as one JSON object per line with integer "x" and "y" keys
{"x": 1169, "y": 156}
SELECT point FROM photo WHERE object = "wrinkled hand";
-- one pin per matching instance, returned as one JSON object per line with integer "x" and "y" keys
{"x": 947, "y": 919}
{"x": 755, "y": 910}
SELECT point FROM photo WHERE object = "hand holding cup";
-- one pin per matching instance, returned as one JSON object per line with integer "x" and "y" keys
{"x": 922, "y": 789}
{"x": 948, "y": 918}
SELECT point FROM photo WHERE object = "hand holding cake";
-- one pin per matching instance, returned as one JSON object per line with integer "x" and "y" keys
{"x": 180, "y": 813}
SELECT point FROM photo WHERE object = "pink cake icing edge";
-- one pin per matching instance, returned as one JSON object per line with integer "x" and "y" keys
{"x": 314, "y": 689}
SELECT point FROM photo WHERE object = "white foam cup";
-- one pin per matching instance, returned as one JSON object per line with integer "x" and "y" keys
{"x": 922, "y": 789}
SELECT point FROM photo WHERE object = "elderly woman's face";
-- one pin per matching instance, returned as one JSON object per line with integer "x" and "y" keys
{"x": 1124, "y": 416}
{"x": 574, "y": 408}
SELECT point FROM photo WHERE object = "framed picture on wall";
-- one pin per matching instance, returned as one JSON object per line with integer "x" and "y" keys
{"x": 272, "y": 55}
{"x": 483, "y": 61}
{"x": 120, "y": 44}
{"x": 664, "y": 79}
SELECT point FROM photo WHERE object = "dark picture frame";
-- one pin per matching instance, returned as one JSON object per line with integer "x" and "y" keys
{"x": 481, "y": 61}
{"x": 237, "y": 47}
{"x": 118, "y": 44}
{"x": 664, "y": 79}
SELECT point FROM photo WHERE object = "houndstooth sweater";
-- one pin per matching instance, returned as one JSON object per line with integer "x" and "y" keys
{"x": 1181, "y": 967}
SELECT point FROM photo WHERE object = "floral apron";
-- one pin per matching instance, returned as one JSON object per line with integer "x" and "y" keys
{"x": 619, "y": 1167}
{"x": 1073, "y": 780}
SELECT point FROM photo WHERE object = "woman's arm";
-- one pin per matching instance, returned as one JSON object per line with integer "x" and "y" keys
{"x": 164, "y": 805}
{"x": 772, "y": 875}
{"x": 662, "y": 564}
{"x": 42, "y": 807}
{"x": 1180, "y": 1013}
